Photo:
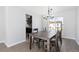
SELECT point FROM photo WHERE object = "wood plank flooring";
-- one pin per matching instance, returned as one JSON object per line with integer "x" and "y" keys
{"x": 67, "y": 46}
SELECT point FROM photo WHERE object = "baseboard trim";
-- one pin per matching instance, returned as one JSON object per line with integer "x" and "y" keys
{"x": 68, "y": 38}
{"x": 73, "y": 39}
{"x": 77, "y": 42}
{"x": 13, "y": 44}
{"x": 1, "y": 41}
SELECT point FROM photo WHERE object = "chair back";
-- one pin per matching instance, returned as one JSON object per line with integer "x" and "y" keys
{"x": 35, "y": 30}
{"x": 59, "y": 30}
{"x": 58, "y": 40}
{"x": 58, "y": 35}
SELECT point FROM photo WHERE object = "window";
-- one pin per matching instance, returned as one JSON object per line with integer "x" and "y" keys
{"x": 55, "y": 23}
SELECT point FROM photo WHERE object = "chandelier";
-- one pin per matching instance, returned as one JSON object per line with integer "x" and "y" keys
{"x": 50, "y": 13}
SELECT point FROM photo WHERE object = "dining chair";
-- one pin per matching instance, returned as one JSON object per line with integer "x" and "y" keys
{"x": 33, "y": 39}
{"x": 39, "y": 42}
{"x": 55, "y": 43}
{"x": 35, "y": 30}
{"x": 56, "y": 40}
{"x": 36, "y": 41}
{"x": 58, "y": 36}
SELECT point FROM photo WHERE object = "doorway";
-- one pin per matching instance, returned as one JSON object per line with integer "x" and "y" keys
{"x": 28, "y": 25}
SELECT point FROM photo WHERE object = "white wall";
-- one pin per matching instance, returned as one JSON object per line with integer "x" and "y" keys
{"x": 71, "y": 20}
{"x": 36, "y": 22}
{"x": 36, "y": 19}
{"x": 2, "y": 24}
{"x": 69, "y": 23}
{"x": 15, "y": 25}
{"x": 14, "y": 20}
{"x": 77, "y": 28}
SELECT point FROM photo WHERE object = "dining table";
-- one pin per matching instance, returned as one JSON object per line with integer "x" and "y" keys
{"x": 43, "y": 35}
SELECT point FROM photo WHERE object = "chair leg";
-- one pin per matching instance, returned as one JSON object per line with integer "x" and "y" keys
{"x": 30, "y": 38}
{"x": 57, "y": 48}
{"x": 43, "y": 44}
{"x": 39, "y": 43}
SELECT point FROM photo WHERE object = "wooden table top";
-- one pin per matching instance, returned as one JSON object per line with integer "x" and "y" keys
{"x": 44, "y": 35}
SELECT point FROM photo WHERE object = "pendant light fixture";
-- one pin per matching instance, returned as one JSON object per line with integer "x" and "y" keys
{"x": 50, "y": 12}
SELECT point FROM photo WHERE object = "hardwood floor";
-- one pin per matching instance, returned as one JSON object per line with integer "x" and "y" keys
{"x": 67, "y": 46}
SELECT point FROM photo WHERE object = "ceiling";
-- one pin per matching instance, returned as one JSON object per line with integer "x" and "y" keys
{"x": 43, "y": 10}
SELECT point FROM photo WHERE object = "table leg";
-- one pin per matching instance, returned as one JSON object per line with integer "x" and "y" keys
{"x": 30, "y": 41}
{"x": 48, "y": 45}
{"x": 39, "y": 43}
